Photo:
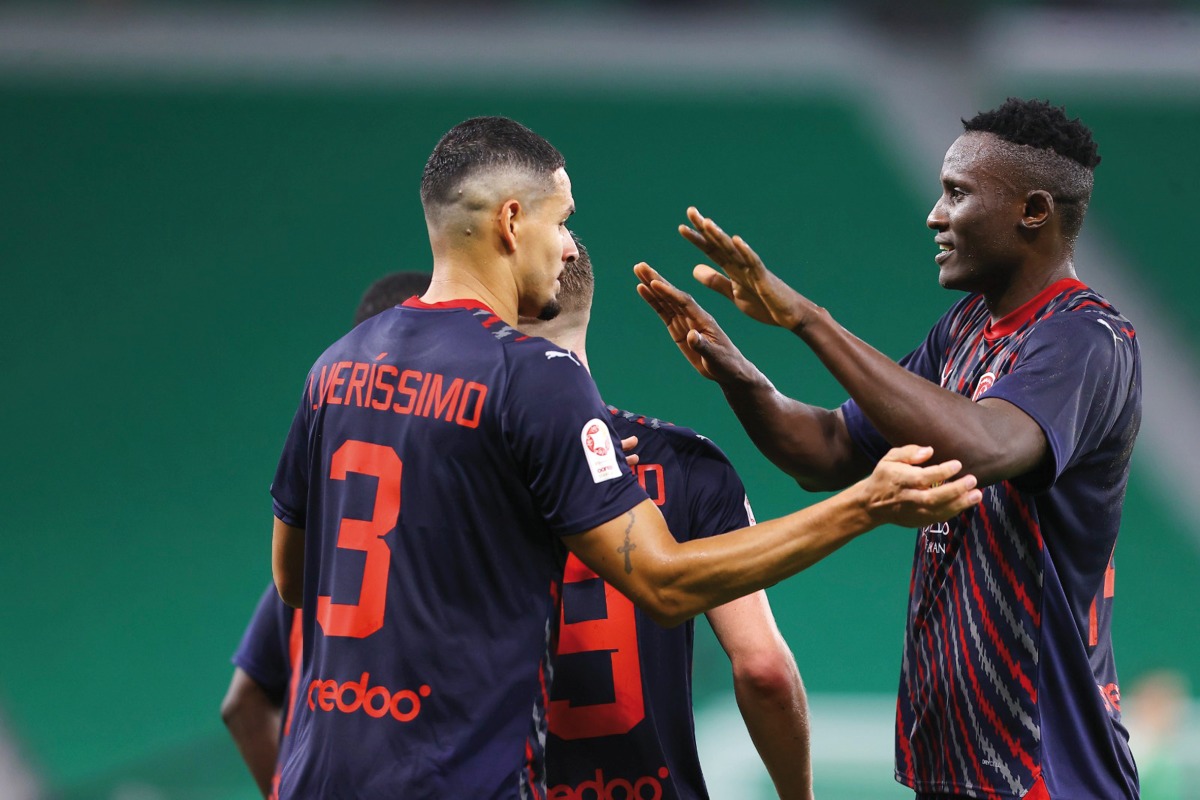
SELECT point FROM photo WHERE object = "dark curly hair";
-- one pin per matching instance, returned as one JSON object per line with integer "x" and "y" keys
{"x": 1040, "y": 148}
{"x": 1038, "y": 124}
{"x": 388, "y": 291}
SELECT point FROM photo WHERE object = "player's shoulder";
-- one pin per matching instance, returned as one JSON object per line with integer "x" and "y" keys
{"x": 1085, "y": 316}
{"x": 685, "y": 442}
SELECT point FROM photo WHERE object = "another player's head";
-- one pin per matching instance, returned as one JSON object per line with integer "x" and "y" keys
{"x": 390, "y": 290}
{"x": 494, "y": 192}
{"x": 569, "y": 327}
{"x": 1015, "y": 184}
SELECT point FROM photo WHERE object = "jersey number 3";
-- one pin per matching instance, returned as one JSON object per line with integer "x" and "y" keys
{"x": 616, "y": 633}
{"x": 361, "y": 619}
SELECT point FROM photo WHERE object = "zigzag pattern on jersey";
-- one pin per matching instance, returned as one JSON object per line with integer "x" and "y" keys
{"x": 967, "y": 717}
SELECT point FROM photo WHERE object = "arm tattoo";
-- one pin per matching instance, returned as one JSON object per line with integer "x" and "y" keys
{"x": 629, "y": 546}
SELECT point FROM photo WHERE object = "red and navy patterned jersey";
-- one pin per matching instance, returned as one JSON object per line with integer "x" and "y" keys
{"x": 1008, "y": 686}
{"x": 270, "y": 654}
{"x": 437, "y": 457}
{"x": 621, "y": 705}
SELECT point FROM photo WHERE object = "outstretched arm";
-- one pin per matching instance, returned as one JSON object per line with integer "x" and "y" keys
{"x": 807, "y": 442}
{"x": 674, "y": 581}
{"x": 993, "y": 438}
{"x": 769, "y": 691}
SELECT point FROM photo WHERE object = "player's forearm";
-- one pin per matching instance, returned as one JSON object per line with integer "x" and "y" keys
{"x": 807, "y": 442}
{"x": 704, "y": 573}
{"x": 905, "y": 407}
{"x": 775, "y": 709}
{"x": 253, "y": 723}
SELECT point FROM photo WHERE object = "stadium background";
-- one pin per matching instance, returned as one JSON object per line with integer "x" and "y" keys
{"x": 193, "y": 198}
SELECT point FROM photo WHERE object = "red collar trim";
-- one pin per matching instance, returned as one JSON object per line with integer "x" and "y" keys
{"x": 1014, "y": 319}
{"x": 416, "y": 302}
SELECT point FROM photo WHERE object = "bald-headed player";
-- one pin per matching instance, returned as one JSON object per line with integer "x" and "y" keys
{"x": 621, "y": 705}
{"x": 438, "y": 469}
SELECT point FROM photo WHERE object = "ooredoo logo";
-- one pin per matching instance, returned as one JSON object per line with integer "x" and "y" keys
{"x": 645, "y": 788}
{"x": 375, "y": 701}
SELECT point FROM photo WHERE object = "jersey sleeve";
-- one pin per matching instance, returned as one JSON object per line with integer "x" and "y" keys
{"x": 289, "y": 490}
{"x": 925, "y": 361}
{"x": 562, "y": 438}
{"x": 716, "y": 496}
{"x": 1073, "y": 376}
{"x": 263, "y": 652}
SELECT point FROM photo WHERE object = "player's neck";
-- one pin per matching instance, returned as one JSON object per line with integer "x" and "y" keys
{"x": 1027, "y": 284}
{"x": 457, "y": 278}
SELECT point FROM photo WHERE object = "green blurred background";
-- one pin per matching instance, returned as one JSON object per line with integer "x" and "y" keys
{"x": 177, "y": 251}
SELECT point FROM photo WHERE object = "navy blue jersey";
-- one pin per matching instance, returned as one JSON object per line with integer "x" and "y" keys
{"x": 1008, "y": 685}
{"x": 270, "y": 654}
{"x": 437, "y": 457}
{"x": 621, "y": 704}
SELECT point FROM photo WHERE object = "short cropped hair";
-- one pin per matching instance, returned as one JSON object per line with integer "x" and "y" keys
{"x": 577, "y": 282}
{"x": 484, "y": 143}
{"x": 1052, "y": 152}
{"x": 388, "y": 291}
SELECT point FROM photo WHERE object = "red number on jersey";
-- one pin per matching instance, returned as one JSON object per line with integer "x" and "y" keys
{"x": 363, "y": 618}
{"x": 617, "y": 634}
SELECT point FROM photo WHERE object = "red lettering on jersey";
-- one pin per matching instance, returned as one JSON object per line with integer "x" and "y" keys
{"x": 406, "y": 390}
{"x": 650, "y": 477}
{"x": 1110, "y": 586}
{"x": 358, "y": 379}
{"x": 476, "y": 405}
{"x": 375, "y": 701}
{"x": 335, "y": 380}
{"x": 442, "y": 403}
{"x": 385, "y": 387}
{"x": 646, "y": 787}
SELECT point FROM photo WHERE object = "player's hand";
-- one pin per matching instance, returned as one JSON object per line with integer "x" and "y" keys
{"x": 631, "y": 459}
{"x": 901, "y": 492}
{"x": 693, "y": 329}
{"x": 754, "y": 289}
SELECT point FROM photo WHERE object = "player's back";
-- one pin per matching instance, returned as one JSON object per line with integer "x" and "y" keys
{"x": 431, "y": 561}
{"x": 621, "y": 712}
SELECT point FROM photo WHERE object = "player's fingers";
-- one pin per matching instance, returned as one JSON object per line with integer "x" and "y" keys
{"x": 697, "y": 341}
{"x": 748, "y": 256}
{"x": 937, "y": 473}
{"x": 629, "y": 443}
{"x": 959, "y": 494}
{"x": 713, "y": 280}
{"x": 909, "y": 454}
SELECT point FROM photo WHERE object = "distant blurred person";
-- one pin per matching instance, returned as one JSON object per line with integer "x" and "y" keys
{"x": 1157, "y": 708}
{"x": 620, "y": 716}
{"x": 258, "y": 704}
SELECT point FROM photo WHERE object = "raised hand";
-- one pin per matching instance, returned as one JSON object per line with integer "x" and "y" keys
{"x": 902, "y": 493}
{"x": 693, "y": 329}
{"x": 754, "y": 289}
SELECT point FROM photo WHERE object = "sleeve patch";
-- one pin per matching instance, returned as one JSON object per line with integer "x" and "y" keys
{"x": 599, "y": 451}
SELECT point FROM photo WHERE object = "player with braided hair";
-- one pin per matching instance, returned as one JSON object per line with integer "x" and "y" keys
{"x": 1008, "y": 685}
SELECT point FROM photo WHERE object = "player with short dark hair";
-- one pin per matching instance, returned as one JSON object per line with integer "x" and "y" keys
{"x": 620, "y": 715}
{"x": 1008, "y": 685}
{"x": 258, "y": 704}
{"x": 437, "y": 470}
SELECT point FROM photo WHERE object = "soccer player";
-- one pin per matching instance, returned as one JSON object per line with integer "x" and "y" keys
{"x": 1032, "y": 380}
{"x": 265, "y": 664}
{"x": 620, "y": 718}
{"x": 439, "y": 465}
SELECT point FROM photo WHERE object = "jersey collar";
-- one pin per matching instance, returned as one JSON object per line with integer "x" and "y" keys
{"x": 1013, "y": 320}
{"x": 416, "y": 302}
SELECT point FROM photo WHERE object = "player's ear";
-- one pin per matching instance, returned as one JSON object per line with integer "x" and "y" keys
{"x": 1039, "y": 206}
{"x": 507, "y": 223}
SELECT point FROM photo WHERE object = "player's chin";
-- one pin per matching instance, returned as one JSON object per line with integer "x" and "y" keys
{"x": 550, "y": 310}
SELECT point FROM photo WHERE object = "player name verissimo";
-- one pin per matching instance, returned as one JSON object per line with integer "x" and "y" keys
{"x": 384, "y": 387}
